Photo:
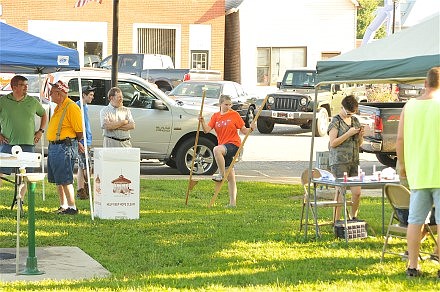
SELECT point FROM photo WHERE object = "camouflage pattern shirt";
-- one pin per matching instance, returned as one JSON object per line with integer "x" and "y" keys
{"x": 348, "y": 151}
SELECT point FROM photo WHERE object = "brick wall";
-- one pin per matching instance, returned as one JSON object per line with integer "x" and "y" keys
{"x": 183, "y": 12}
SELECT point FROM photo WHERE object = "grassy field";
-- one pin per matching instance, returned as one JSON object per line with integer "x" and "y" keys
{"x": 254, "y": 247}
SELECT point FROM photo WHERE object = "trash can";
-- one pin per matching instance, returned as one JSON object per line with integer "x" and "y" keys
{"x": 116, "y": 183}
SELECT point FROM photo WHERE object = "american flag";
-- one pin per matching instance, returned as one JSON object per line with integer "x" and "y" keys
{"x": 81, "y": 3}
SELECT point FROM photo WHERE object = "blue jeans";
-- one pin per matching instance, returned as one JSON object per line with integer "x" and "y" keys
{"x": 61, "y": 160}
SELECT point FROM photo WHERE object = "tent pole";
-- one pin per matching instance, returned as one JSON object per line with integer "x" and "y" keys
{"x": 311, "y": 164}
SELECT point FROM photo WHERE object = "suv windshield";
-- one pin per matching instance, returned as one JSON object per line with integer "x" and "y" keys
{"x": 300, "y": 79}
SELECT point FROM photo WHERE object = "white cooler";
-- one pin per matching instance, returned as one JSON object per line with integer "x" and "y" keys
{"x": 116, "y": 183}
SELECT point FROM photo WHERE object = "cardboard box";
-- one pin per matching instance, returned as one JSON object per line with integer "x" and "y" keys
{"x": 116, "y": 183}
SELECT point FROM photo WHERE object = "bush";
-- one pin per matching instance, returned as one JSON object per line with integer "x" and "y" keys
{"x": 381, "y": 93}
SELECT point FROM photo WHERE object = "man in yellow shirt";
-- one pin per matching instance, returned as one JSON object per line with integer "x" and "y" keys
{"x": 63, "y": 132}
{"x": 418, "y": 153}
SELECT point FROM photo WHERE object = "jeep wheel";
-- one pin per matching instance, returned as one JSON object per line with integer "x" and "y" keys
{"x": 321, "y": 123}
{"x": 171, "y": 163}
{"x": 204, "y": 162}
{"x": 387, "y": 159}
{"x": 265, "y": 125}
{"x": 250, "y": 115}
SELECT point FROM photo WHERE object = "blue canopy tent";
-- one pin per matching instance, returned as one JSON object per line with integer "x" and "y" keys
{"x": 21, "y": 52}
{"x": 24, "y": 53}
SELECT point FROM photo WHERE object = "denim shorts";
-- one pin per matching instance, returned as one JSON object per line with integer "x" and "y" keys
{"x": 6, "y": 148}
{"x": 231, "y": 150}
{"x": 61, "y": 160}
{"x": 350, "y": 168}
{"x": 421, "y": 202}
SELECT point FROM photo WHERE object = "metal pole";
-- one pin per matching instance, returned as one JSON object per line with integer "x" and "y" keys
{"x": 31, "y": 262}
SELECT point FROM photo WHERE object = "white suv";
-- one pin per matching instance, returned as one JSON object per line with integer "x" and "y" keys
{"x": 165, "y": 129}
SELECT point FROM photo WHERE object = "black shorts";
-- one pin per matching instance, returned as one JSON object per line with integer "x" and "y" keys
{"x": 231, "y": 150}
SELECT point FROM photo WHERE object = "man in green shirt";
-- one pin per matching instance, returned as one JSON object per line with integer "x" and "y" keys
{"x": 17, "y": 119}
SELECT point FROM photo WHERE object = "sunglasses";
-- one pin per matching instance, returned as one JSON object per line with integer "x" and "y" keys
{"x": 347, "y": 113}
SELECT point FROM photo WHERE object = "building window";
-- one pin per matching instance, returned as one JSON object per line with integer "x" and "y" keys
{"x": 199, "y": 60}
{"x": 70, "y": 45}
{"x": 157, "y": 41}
{"x": 92, "y": 53}
{"x": 273, "y": 62}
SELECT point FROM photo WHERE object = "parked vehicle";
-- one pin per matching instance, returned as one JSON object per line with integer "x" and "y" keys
{"x": 380, "y": 121}
{"x": 407, "y": 91}
{"x": 157, "y": 69}
{"x": 33, "y": 85}
{"x": 294, "y": 102}
{"x": 190, "y": 92}
{"x": 165, "y": 129}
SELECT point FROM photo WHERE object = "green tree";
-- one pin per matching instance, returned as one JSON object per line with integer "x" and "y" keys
{"x": 366, "y": 14}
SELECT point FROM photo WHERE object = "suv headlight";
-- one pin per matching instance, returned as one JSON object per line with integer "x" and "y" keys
{"x": 271, "y": 100}
{"x": 303, "y": 101}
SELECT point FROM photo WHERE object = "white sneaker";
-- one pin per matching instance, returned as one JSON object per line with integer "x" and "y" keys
{"x": 217, "y": 177}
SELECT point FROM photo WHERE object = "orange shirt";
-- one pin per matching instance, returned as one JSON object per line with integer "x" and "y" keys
{"x": 226, "y": 127}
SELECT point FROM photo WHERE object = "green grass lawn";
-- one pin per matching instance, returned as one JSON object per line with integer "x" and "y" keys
{"x": 254, "y": 247}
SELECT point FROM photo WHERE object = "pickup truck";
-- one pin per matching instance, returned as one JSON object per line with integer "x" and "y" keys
{"x": 157, "y": 69}
{"x": 380, "y": 121}
{"x": 293, "y": 103}
{"x": 165, "y": 129}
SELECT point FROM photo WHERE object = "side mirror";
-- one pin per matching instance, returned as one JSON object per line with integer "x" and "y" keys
{"x": 278, "y": 84}
{"x": 158, "y": 104}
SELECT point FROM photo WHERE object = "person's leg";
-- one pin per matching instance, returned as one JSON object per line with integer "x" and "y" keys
{"x": 80, "y": 179}
{"x": 232, "y": 187}
{"x": 355, "y": 199}
{"x": 69, "y": 195}
{"x": 219, "y": 155}
{"x": 62, "y": 196}
{"x": 419, "y": 206}
{"x": 337, "y": 210}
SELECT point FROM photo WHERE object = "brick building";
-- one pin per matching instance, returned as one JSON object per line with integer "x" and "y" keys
{"x": 191, "y": 32}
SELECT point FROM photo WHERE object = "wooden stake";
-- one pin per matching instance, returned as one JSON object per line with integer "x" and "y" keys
{"x": 191, "y": 182}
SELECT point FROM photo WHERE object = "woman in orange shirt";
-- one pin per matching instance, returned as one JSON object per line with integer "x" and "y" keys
{"x": 226, "y": 122}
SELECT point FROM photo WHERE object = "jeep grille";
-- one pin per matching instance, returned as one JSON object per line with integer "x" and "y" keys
{"x": 284, "y": 103}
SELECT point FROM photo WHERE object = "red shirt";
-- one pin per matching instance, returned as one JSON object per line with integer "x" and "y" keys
{"x": 226, "y": 127}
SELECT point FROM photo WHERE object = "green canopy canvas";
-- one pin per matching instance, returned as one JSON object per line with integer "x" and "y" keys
{"x": 403, "y": 57}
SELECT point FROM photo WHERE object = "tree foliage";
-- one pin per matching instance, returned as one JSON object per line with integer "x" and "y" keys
{"x": 366, "y": 14}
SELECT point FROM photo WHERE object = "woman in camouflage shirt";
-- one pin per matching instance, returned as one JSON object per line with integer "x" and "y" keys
{"x": 346, "y": 136}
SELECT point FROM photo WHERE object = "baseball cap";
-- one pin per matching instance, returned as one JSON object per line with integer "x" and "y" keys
{"x": 60, "y": 85}
{"x": 87, "y": 88}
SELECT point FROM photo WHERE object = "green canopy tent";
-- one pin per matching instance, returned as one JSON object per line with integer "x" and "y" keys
{"x": 404, "y": 57}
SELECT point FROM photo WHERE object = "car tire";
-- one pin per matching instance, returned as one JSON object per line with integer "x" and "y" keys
{"x": 204, "y": 163}
{"x": 387, "y": 159}
{"x": 265, "y": 126}
{"x": 250, "y": 115}
{"x": 321, "y": 122}
{"x": 171, "y": 163}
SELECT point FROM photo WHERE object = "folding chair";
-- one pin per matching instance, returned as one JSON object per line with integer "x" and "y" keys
{"x": 398, "y": 196}
{"x": 320, "y": 202}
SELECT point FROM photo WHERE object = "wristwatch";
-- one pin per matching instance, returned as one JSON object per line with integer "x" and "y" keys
{"x": 41, "y": 130}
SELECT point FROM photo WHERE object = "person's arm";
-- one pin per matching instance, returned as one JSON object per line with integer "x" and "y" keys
{"x": 400, "y": 145}
{"x": 335, "y": 141}
{"x": 245, "y": 130}
{"x": 205, "y": 127}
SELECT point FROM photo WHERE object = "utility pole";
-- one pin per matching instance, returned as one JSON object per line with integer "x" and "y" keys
{"x": 115, "y": 43}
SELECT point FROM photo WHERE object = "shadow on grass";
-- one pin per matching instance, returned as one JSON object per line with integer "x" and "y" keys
{"x": 178, "y": 246}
